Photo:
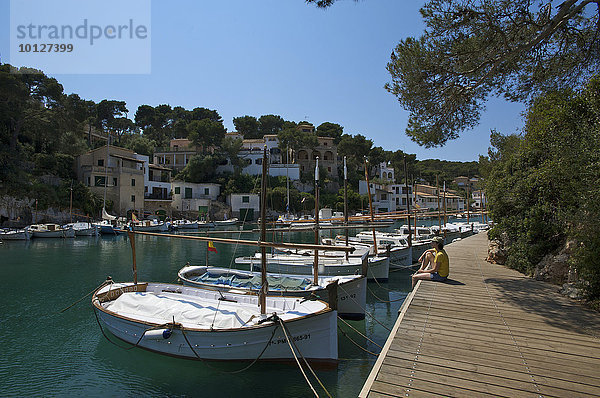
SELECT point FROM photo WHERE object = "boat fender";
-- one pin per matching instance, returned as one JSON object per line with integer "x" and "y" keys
{"x": 158, "y": 334}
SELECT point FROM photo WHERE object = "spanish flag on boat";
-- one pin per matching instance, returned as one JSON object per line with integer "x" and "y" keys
{"x": 133, "y": 217}
{"x": 211, "y": 247}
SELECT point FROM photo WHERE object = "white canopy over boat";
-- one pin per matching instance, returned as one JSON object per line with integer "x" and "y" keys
{"x": 207, "y": 324}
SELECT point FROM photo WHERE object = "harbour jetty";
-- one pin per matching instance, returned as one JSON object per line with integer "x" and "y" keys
{"x": 488, "y": 331}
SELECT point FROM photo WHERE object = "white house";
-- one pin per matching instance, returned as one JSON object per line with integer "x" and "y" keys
{"x": 478, "y": 197}
{"x": 245, "y": 206}
{"x": 427, "y": 198}
{"x": 188, "y": 196}
{"x": 252, "y": 155}
{"x": 387, "y": 198}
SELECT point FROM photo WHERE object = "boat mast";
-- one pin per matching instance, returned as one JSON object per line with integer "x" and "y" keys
{"x": 468, "y": 212}
{"x": 106, "y": 172}
{"x": 416, "y": 208}
{"x": 346, "y": 202}
{"x": 287, "y": 175}
{"x": 370, "y": 204}
{"x": 407, "y": 203}
{"x": 263, "y": 234}
{"x": 71, "y": 203}
{"x": 316, "y": 260}
{"x": 437, "y": 190}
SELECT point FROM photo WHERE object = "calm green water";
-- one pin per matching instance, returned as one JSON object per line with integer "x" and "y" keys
{"x": 48, "y": 353}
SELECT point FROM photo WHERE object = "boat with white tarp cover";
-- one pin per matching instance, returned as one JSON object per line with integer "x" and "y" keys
{"x": 197, "y": 323}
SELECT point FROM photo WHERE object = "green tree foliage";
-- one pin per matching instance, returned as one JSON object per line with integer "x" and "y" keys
{"x": 332, "y": 130}
{"x": 270, "y": 124}
{"x": 471, "y": 49}
{"x": 200, "y": 168}
{"x": 140, "y": 144}
{"x": 293, "y": 138}
{"x": 445, "y": 170}
{"x": 230, "y": 148}
{"x": 542, "y": 186}
{"x": 206, "y": 133}
{"x": 238, "y": 183}
{"x": 163, "y": 123}
{"x": 248, "y": 126}
{"x": 355, "y": 148}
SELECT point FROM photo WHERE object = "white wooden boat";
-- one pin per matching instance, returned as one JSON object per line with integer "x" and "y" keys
{"x": 206, "y": 224}
{"x": 351, "y": 292}
{"x": 84, "y": 229}
{"x": 149, "y": 226}
{"x": 392, "y": 245}
{"x": 184, "y": 224}
{"x": 50, "y": 231}
{"x": 377, "y": 267}
{"x": 231, "y": 221}
{"x": 193, "y": 323}
{"x": 14, "y": 234}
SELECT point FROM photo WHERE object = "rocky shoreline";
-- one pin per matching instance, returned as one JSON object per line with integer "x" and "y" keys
{"x": 552, "y": 268}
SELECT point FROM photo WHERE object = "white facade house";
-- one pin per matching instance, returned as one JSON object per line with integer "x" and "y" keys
{"x": 427, "y": 199}
{"x": 188, "y": 196}
{"x": 387, "y": 197}
{"x": 252, "y": 155}
{"x": 245, "y": 206}
{"x": 478, "y": 197}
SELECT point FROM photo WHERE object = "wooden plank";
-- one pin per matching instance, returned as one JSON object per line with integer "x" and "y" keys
{"x": 442, "y": 389}
{"x": 494, "y": 385}
{"x": 525, "y": 337}
{"x": 536, "y": 358}
{"x": 517, "y": 328}
{"x": 481, "y": 366}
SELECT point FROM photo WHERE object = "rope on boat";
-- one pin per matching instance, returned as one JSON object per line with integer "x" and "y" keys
{"x": 359, "y": 332}
{"x": 273, "y": 318}
{"x": 382, "y": 300}
{"x": 355, "y": 343}
{"x": 379, "y": 284}
{"x": 292, "y": 345}
{"x": 364, "y": 309}
{"x": 81, "y": 299}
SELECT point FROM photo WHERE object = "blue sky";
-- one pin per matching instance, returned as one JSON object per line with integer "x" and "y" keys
{"x": 284, "y": 57}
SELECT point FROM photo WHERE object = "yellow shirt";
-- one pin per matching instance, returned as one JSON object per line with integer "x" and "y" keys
{"x": 444, "y": 263}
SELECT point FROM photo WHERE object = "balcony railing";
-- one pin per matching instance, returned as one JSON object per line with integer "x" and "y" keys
{"x": 166, "y": 149}
{"x": 157, "y": 196}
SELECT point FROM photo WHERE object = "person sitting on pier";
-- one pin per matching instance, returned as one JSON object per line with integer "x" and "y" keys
{"x": 435, "y": 264}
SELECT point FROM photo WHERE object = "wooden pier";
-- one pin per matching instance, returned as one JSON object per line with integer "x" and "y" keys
{"x": 489, "y": 331}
